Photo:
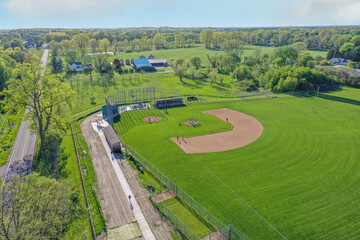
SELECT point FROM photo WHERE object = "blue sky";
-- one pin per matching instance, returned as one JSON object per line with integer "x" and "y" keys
{"x": 176, "y": 13}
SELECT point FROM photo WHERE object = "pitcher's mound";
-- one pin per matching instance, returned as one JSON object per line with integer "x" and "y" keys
{"x": 152, "y": 119}
{"x": 246, "y": 130}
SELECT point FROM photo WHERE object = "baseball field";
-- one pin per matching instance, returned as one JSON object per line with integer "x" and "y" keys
{"x": 299, "y": 179}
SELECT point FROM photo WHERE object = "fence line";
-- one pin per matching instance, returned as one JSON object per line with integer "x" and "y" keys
{"x": 184, "y": 196}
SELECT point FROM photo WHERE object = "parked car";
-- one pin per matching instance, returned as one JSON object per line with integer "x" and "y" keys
{"x": 192, "y": 99}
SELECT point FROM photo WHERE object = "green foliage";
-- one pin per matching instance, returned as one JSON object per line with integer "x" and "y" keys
{"x": 45, "y": 96}
{"x": 57, "y": 65}
{"x": 284, "y": 55}
{"x": 291, "y": 78}
{"x": 32, "y": 214}
{"x": 195, "y": 62}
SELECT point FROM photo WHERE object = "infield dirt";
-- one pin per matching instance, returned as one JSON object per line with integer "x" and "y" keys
{"x": 246, "y": 130}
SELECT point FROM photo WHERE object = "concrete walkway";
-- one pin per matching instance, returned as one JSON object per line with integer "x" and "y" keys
{"x": 147, "y": 233}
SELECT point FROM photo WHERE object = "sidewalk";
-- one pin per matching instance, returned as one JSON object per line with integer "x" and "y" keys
{"x": 147, "y": 233}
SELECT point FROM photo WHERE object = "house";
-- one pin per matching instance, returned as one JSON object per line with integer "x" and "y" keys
{"x": 127, "y": 61}
{"x": 141, "y": 64}
{"x": 340, "y": 61}
{"x": 151, "y": 56}
{"x": 162, "y": 62}
{"x": 142, "y": 57}
{"x": 76, "y": 66}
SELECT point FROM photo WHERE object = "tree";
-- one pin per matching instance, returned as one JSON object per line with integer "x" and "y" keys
{"x": 180, "y": 68}
{"x": 207, "y": 37}
{"x": 70, "y": 56}
{"x": 42, "y": 95}
{"x": 5, "y": 73}
{"x": 213, "y": 76}
{"x": 57, "y": 65}
{"x": 303, "y": 59}
{"x": 81, "y": 41}
{"x": 34, "y": 207}
{"x": 94, "y": 45}
{"x": 101, "y": 63}
{"x": 241, "y": 73}
{"x": 104, "y": 45}
{"x": 287, "y": 54}
{"x": 195, "y": 62}
{"x": 16, "y": 43}
{"x": 299, "y": 46}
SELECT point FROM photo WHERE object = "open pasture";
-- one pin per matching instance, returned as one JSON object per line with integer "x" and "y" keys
{"x": 299, "y": 180}
{"x": 201, "y": 52}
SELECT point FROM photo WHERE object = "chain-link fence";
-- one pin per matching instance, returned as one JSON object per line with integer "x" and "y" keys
{"x": 186, "y": 198}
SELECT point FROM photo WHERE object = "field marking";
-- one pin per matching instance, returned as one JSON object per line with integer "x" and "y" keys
{"x": 248, "y": 205}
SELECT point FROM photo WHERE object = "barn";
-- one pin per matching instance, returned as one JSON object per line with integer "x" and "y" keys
{"x": 161, "y": 62}
{"x": 112, "y": 139}
{"x": 141, "y": 64}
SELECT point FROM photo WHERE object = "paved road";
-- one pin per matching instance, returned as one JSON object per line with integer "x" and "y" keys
{"x": 21, "y": 157}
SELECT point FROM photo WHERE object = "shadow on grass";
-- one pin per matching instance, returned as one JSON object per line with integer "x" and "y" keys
{"x": 339, "y": 99}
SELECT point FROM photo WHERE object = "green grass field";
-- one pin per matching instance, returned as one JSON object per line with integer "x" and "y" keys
{"x": 302, "y": 174}
{"x": 201, "y": 52}
{"x": 80, "y": 227}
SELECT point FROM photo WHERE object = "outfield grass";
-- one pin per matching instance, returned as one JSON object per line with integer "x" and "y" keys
{"x": 302, "y": 174}
{"x": 197, "y": 224}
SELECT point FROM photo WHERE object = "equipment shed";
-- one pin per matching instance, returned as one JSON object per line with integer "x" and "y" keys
{"x": 112, "y": 138}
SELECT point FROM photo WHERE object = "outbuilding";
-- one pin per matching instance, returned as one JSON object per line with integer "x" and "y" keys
{"x": 112, "y": 139}
{"x": 162, "y": 62}
{"x": 141, "y": 64}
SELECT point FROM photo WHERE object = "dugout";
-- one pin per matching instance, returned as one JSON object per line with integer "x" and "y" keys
{"x": 112, "y": 138}
{"x": 169, "y": 102}
{"x": 114, "y": 107}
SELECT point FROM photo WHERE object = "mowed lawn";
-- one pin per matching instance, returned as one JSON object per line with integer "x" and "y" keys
{"x": 201, "y": 52}
{"x": 302, "y": 175}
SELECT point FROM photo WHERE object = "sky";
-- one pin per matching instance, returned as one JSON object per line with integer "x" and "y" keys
{"x": 176, "y": 13}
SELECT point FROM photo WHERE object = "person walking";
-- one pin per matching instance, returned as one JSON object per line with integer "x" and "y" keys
{"x": 177, "y": 138}
{"x": 183, "y": 138}
{"x": 129, "y": 197}
{"x": 227, "y": 120}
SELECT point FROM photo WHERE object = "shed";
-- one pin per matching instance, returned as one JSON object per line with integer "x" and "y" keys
{"x": 151, "y": 56}
{"x": 127, "y": 61}
{"x": 112, "y": 138}
{"x": 142, "y": 57}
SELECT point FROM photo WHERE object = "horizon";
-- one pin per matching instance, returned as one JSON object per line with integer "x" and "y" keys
{"x": 79, "y": 14}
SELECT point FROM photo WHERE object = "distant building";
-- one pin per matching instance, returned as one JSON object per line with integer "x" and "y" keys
{"x": 127, "y": 61}
{"x": 142, "y": 57}
{"x": 340, "y": 61}
{"x": 76, "y": 66}
{"x": 151, "y": 56}
{"x": 141, "y": 63}
{"x": 122, "y": 61}
{"x": 162, "y": 62}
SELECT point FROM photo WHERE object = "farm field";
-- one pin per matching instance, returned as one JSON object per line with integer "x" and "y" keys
{"x": 301, "y": 175}
{"x": 201, "y": 52}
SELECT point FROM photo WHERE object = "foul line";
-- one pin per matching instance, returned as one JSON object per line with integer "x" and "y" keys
{"x": 248, "y": 205}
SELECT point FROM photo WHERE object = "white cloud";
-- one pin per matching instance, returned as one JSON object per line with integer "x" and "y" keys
{"x": 330, "y": 12}
{"x": 63, "y": 8}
